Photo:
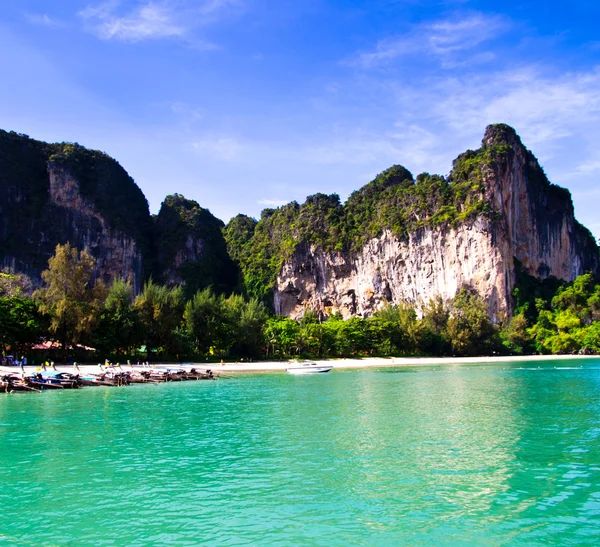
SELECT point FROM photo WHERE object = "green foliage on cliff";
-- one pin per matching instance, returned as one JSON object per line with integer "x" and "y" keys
{"x": 238, "y": 233}
{"x": 31, "y": 225}
{"x": 107, "y": 185}
{"x": 188, "y": 234}
{"x": 393, "y": 201}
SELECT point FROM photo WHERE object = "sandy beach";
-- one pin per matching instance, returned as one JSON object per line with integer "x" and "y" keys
{"x": 376, "y": 362}
{"x": 280, "y": 366}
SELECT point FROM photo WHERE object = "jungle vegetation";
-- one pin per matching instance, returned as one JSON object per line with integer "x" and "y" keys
{"x": 162, "y": 323}
{"x": 393, "y": 201}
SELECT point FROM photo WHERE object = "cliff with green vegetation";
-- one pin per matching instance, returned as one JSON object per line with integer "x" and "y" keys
{"x": 54, "y": 193}
{"x": 487, "y": 260}
{"x": 58, "y": 193}
{"x": 190, "y": 248}
{"x": 398, "y": 239}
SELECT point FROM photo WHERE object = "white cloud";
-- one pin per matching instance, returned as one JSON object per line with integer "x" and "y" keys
{"x": 222, "y": 148}
{"x": 442, "y": 39}
{"x": 273, "y": 202}
{"x": 587, "y": 167}
{"x": 545, "y": 108}
{"x": 42, "y": 19}
{"x": 148, "y": 21}
{"x": 446, "y": 36}
{"x": 154, "y": 19}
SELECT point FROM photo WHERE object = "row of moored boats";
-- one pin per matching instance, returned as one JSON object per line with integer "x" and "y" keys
{"x": 49, "y": 379}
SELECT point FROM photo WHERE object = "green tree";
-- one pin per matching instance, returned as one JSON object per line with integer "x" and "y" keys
{"x": 249, "y": 339}
{"x": 161, "y": 314}
{"x": 14, "y": 285}
{"x": 515, "y": 337}
{"x": 469, "y": 329}
{"x": 432, "y": 328}
{"x": 119, "y": 330}
{"x": 205, "y": 321}
{"x": 591, "y": 338}
{"x": 404, "y": 328}
{"x": 282, "y": 336}
{"x": 20, "y": 324}
{"x": 70, "y": 297}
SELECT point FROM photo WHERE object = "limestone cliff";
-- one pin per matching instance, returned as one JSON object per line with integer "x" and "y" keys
{"x": 56, "y": 193}
{"x": 536, "y": 217}
{"x": 190, "y": 248}
{"x": 116, "y": 253}
{"x": 495, "y": 206}
{"x": 396, "y": 239}
{"x": 430, "y": 262}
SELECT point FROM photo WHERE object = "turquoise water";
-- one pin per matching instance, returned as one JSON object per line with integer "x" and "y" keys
{"x": 486, "y": 455}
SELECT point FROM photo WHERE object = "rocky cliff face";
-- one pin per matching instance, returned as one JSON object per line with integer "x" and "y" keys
{"x": 190, "y": 248}
{"x": 116, "y": 254}
{"x": 396, "y": 239}
{"x": 58, "y": 193}
{"x": 431, "y": 262}
{"x": 524, "y": 216}
{"x": 536, "y": 217}
{"x": 52, "y": 194}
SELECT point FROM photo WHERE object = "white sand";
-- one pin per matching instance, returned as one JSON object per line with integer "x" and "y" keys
{"x": 372, "y": 362}
{"x": 369, "y": 362}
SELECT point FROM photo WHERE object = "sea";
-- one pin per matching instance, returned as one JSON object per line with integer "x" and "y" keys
{"x": 502, "y": 454}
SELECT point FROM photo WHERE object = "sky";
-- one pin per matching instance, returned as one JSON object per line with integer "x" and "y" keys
{"x": 247, "y": 104}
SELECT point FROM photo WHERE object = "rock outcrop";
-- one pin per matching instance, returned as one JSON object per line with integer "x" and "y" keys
{"x": 524, "y": 217}
{"x": 431, "y": 262}
{"x": 52, "y": 194}
{"x": 116, "y": 253}
{"x": 190, "y": 248}
{"x": 58, "y": 193}
{"x": 397, "y": 239}
{"x": 534, "y": 216}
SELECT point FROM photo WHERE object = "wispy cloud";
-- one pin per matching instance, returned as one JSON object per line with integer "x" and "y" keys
{"x": 222, "y": 148}
{"x": 545, "y": 107}
{"x": 145, "y": 22}
{"x": 587, "y": 167}
{"x": 442, "y": 39}
{"x": 43, "y": 19}
{"x": 154, "y": 19}
{"x": 273, "y": 202}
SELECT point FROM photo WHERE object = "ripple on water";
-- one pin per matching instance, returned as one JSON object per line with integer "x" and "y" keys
{"x": 486, "y": 456}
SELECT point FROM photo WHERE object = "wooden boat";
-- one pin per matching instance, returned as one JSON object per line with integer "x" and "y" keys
{"x": 64, "y": 379}
{"x": 194, "y": 374}
{"x": 95, "y": 380}
{"x": 13, "y": 382}
{"x": 117, "y": 378}
{"x": 37, "y": 381}
{"x": 308, "y": 367}
{"x": 142, "y": 377}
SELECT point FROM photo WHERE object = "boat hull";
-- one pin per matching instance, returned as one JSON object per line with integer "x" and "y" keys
{"x": 309, "y": 369}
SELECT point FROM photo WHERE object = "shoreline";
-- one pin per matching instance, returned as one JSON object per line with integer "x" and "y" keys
{"x": 386, "y": 362}
{"x": 281, "y": 366}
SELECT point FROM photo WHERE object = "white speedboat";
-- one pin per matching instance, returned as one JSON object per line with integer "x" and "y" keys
{"x": 308, "y": 368}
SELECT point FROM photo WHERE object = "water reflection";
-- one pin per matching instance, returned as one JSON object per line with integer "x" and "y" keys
{"x": 488, "y": 455}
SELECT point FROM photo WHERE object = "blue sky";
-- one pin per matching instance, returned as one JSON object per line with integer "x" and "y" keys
{"x": 247, "y": 104}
